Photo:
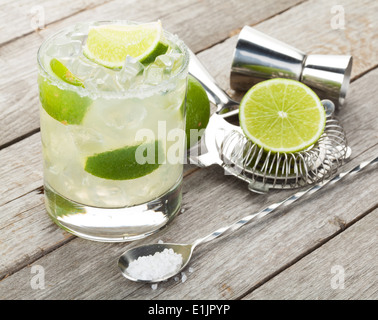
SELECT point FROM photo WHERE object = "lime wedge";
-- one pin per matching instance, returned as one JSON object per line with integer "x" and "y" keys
{"x": 64, "y": 105}
{"x": 63, "y": 73}
{"x": 282, "y": 115}
{"x": 125, "y": 163}
{"x": 109, "y": 45}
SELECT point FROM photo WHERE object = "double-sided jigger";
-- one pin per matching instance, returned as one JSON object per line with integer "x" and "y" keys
{"x": 258, "y": 57}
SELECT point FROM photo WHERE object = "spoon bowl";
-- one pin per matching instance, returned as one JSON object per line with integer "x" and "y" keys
{"x": 130, "y": 255}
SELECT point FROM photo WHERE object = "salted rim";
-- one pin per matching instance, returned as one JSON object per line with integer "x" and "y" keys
{"x": 131, "y": 93}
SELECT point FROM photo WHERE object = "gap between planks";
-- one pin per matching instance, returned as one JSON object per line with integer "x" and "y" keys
{"x": 307, "y": 252}
{"x": 236, "y": 31}
{"x": 343, "y": 227}
{"x": 54, "y": 21}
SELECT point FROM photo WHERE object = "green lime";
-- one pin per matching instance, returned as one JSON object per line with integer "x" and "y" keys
{"x": 109, "y": 45}
{"x": 130, "y": 162}
{"x": 197, "y": 111}
{"x": 64, "y": 105}
{"x": 282, "y": 115}
{"x": 63, "y": 73}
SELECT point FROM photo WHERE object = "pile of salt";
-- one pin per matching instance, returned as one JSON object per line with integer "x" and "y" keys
{"x": 157, "y": 266}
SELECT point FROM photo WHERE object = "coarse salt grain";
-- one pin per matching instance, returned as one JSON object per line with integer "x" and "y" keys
{"x": 155, "y": 266}
{"x": 183, "y": 277}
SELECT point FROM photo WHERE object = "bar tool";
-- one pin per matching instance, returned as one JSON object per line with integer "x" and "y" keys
{"x": 258, "y": 57}
{"x": 227, "y": 146}
{"x": 186, "y": 250}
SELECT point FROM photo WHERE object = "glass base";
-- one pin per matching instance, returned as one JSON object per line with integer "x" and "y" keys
{"x": 113, "y": 224}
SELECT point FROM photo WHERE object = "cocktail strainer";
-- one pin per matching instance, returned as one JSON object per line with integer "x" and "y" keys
{"x": 227, "y": 146}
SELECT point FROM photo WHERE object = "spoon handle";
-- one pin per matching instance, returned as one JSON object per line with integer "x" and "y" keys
{"x": 242, "y": 222}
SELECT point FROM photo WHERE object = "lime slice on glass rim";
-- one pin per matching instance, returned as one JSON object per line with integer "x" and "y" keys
{"x": 109, "y": 45}
{"x": 282, "y": 115}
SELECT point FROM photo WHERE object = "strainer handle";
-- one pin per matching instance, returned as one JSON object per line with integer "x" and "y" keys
{"x": 215, "y": 93}
{"x": 242, "y": 222}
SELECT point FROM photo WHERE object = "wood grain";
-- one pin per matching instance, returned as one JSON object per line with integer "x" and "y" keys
{"x": 344, "y": 268}
{"x": 22, "y": 17}
{"x": 312, "y": 27}
{"x": 20, "y": 168}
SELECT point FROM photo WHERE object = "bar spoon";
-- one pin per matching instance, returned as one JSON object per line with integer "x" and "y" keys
{"x": 186, "y": 250}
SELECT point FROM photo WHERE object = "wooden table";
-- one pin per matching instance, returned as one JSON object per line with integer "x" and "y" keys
{"x": 322, "y": 247}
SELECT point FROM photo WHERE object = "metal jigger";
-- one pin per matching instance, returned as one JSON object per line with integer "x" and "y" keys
{"x": 258, "y": 57}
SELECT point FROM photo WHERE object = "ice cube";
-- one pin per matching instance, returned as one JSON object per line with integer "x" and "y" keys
{"x": 129, "y": 73}
{"x": 81, "y": 67}
{"x": 78, "y": 36}
{"x": 102, "y": 79}
{"x": 121, "y": 118}
{"x": 163, "y": 68}
{"x": 153, "y": 74}
{"x": 87, "y": 140}
{"x": 65, "y": 48}
{"x": 79, "y": 32}
{"x": 177, "y": 59}
{"x": 165, "y": 61}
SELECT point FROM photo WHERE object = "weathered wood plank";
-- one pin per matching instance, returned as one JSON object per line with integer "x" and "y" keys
{"x": 272, "y": 243}
{"x": 267, "y": 245}
{"x": 27, "y": 212}
{"x": 227, "y": 200}
{"x": 313, "y": 34}
{"x": 192, "y": 20}
{"x": 344, "y": 268}
{"x": 18, "y": 18}
{"x": 21, "y": 168}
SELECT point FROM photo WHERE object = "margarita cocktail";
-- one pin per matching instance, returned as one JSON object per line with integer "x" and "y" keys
{"x": 112, "y": 120}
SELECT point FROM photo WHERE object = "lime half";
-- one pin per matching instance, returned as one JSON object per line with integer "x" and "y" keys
{"x": 197, "y": 111}
{"x": 282, "y": 115}
{"x": 109, "y": 45}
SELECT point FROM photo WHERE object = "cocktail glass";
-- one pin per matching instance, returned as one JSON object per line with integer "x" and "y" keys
{"x": 113, "y": 146}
